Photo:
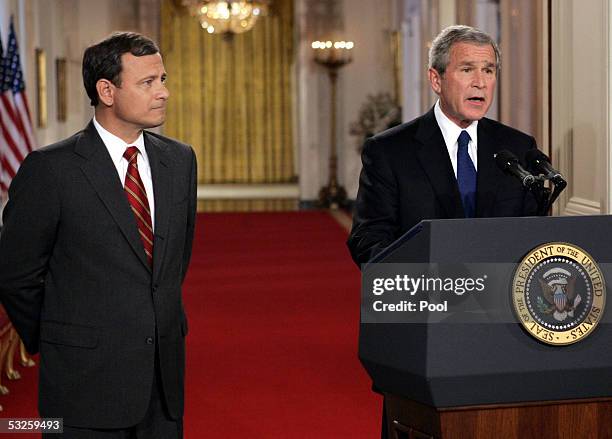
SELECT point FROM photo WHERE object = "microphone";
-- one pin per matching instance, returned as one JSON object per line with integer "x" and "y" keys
{"x": 508, "y": 163}
{"x": 539, "y": 162}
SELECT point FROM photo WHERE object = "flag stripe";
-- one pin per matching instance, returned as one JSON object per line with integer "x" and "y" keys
{"x": 14, "y": 124}
{"x": 24, "y": 116}
{"x": 11, "y": 133}
{"x": 16, "y": 131}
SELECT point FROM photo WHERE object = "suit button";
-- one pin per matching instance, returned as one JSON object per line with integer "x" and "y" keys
{"x": 149, "y": 340}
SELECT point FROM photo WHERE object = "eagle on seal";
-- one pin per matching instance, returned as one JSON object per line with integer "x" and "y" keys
{"x": 560, "y": 293}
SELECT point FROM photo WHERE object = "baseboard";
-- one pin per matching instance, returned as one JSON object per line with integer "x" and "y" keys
{"x": 314, "y": 204}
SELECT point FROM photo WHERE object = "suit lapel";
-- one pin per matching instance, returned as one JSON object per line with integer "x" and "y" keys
{"x": 487, "y": 181}
{"x": 434, "y": 159}
{"x": 100, "y": 170}
{"x": 162, "y": 190}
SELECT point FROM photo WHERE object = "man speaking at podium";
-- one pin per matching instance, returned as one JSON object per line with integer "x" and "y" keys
{"x": 96, "y": 242}
{"x": 441, "y": 165}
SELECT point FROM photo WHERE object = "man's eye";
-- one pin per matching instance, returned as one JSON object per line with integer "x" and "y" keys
{"x": 466, "y": 69}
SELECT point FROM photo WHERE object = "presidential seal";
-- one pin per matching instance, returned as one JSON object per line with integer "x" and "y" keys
{"x": 558, "y": 293}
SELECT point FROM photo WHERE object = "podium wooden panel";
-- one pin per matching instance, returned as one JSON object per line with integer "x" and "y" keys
{"x": 575, "y": 419}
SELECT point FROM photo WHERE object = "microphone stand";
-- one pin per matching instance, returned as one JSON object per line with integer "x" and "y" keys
{"x": 559, "y": 184}
{"x": 543, "y": 195}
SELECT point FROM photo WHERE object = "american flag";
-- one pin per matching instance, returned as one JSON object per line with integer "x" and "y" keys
{"x": 16, "y": 133}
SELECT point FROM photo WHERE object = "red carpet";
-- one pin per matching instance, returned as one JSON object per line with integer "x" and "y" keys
{"x": 21, "y": 402}
{"x": 273, "y": 307}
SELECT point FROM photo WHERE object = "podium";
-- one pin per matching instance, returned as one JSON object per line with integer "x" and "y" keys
{"x": 462, "y": 380}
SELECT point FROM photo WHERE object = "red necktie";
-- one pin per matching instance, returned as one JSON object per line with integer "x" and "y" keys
{"x": 137, "y": 197}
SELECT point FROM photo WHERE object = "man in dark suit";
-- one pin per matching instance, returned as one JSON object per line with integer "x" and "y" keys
{"x": 95, "y": 246}
{"x": 441, "y": 165}
{"x": 419, "y": 170}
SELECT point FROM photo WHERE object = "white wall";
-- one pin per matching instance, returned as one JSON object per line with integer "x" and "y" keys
{"x": 413, "y": 72}
{"x": 63, "y": 29}
{"x": 309, "y": 79}
{"x": 581, "y": 103}
{"x": 369, "y": 25}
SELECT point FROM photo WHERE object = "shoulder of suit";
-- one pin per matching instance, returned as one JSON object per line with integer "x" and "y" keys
{"x": 62, "y": 146}
{"x": 407, "y": 129}
{"x": 58, "y": 154}
{"x": 169, "y": 142}
{"x": 505, "y": 131}
{"x": 65, "y": 148}
{"x": 398, "y": 139}
{"x": 51, "y": 159}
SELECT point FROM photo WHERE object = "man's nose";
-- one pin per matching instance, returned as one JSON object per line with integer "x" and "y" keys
{"x": 163, "y": 92}
{"x": 479, "y": 80}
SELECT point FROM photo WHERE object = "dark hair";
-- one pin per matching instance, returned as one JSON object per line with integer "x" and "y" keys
{"x": 103, "y": 60}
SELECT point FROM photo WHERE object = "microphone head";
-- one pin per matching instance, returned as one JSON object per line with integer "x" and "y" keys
{"x": 510, "y": 164}
{"x": 505, "y": 159}
{"x": 537, "y": 161}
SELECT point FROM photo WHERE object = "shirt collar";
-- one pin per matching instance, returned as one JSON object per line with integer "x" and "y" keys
{"x": 116, "y": 146}
{"x": 450, "y": 130}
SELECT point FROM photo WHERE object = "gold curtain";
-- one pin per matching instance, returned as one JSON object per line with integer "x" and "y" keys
{"x": 232, "y": 99}
{"x": 268, "y": 205}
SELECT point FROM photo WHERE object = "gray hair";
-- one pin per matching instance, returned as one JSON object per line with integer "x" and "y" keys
{"x": 439, "y": 53}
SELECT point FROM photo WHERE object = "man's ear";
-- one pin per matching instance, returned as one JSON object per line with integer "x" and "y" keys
{"x": 106, "y": 91}
{"x": 435, "y": 79}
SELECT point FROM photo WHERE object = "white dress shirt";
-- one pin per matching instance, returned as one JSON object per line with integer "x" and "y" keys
{"x": 451, "y": 131}
{"x": 116, "y": 148}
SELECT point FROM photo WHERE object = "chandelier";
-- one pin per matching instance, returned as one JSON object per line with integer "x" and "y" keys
{"x": 227, "y": 16}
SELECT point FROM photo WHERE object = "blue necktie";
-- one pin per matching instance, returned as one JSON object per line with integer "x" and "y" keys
{"x": 466, "y": 176}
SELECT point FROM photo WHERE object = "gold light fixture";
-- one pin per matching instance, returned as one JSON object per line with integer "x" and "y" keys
{"x": 227, "y": 16}
{"x": 333, "y": 55}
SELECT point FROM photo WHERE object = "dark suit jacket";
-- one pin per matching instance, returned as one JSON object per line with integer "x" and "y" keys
{"x": 77, "y": 286}
{"x": 407, "y": 177}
